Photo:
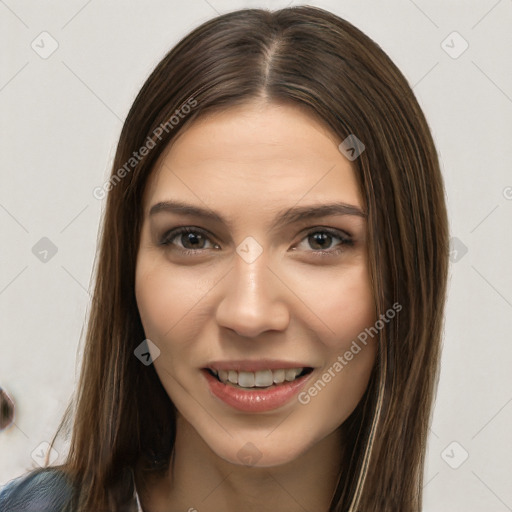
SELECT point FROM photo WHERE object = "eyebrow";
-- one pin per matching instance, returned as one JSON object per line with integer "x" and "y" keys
{"x": 283, "y": 217}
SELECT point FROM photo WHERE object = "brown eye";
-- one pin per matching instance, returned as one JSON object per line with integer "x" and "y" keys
{"x": 326, "y": 241}
{"x": 188, "y": 239}
{"x": 195, "y": 240}
{"x": 320, "y": 240}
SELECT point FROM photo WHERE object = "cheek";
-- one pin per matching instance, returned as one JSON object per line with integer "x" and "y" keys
{"x": 352, "y": 307}
{"x": 155, "y": 299}
{"x": 346, "y": 305}
{"x": 342, "y": 299}
{"x": 173, "y": 306}
{"x": 163, "y": 297}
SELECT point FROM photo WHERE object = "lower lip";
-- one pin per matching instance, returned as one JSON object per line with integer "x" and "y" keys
{"x": 255, "y": 400}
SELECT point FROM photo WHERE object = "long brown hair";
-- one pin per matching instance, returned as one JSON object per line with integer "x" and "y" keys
{"x": 123, "y": 420}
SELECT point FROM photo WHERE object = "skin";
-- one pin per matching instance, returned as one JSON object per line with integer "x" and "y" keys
{"x": 291, "y": 303}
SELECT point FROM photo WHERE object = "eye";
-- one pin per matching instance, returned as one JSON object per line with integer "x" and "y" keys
{"x": 321, "y": 241}
{"x": 191, "y": 239}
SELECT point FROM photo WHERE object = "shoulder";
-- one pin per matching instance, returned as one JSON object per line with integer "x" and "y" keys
{"x": 41, "y": 490}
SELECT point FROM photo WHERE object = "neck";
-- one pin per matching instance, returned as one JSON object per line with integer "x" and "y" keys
{"x": 200, "y": 480}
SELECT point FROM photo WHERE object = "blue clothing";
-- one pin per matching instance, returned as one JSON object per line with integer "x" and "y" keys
{"x": 47, "y": 490}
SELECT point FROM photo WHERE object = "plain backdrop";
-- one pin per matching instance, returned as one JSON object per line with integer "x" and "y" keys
{"x": 68, "y": 75}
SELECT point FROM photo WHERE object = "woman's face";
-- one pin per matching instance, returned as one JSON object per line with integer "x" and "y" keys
{"x": 267, "y": 280}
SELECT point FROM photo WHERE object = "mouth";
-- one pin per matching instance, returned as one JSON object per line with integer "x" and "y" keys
{"x": 261, "y": 379}
{"x": 256, "y": 391}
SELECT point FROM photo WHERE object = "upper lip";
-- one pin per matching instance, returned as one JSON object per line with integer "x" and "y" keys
{"x": 255, "y": 365}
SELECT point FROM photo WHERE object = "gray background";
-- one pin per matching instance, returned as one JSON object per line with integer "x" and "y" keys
{"x": 61, "y": 117}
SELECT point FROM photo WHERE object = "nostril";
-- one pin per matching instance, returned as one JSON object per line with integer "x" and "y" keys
{"x": 6, "y": 409}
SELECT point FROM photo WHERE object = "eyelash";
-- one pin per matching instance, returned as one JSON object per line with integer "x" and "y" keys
{"x": 345, "y": 239}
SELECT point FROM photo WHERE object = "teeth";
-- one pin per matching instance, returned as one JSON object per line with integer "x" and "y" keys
{"x": 290, "y": 374}
{"x": 245, "y": 379}
{"x": 259, "y": 379}
{"x": 279, "y": 376}
{"x": 263, "y": 379}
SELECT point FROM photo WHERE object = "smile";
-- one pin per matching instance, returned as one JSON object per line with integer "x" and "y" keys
{"x": 258, "y": 391}
{"x": 259, "y": 379}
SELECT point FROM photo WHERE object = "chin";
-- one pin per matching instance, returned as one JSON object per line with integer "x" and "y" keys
{"x": 261, "y": 451}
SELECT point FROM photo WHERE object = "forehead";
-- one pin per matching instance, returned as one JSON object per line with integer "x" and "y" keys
{"x": 254, "y": 155}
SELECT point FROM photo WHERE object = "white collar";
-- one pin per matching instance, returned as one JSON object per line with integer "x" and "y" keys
{"x": 139, "y": 507}
{"x": 136, "y": 494}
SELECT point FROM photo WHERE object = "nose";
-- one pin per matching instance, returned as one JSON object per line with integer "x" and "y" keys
{"x": 253, "y": 299}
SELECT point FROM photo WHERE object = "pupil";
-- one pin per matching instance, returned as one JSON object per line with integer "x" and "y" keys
{"x": 321, "y": 238}
{"x": 192, "y": 238}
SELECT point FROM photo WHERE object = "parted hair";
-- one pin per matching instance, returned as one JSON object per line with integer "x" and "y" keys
{"x": 121, "y": 419}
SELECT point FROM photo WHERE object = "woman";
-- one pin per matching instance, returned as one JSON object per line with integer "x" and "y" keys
{"x": 267, "y": 314}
